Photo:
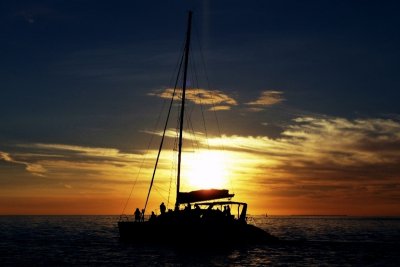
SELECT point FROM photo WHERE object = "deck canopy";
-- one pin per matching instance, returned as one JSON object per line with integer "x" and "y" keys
{"x": 203, "y": 195}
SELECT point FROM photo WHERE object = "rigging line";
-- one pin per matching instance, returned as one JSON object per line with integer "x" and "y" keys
{"x": 173, "y": 170}
{"x": 172, "y": 174}
{"x": 194, "y": 74}
{"x": 165, "y": 129}
{"x": 158, "y": 191}
{"x": 191, "y": 130}
{"x": 195, "y": 142}
{"x": 173, "y": 155}
{"x": 177, "y": 66}
{"x": 190, "y": 125}
{"x": 178, "y": 63}
{"x": 196, "y": 35}
{"x": 144, "y": 156}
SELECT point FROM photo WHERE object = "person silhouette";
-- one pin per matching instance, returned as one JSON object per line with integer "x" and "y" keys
{"x": 152, "y": 216}
{"x": 137, "y": 215}
{"x": 162, "y": 208}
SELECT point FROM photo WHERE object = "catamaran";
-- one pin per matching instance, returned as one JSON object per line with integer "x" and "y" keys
{"x": 205, "y": 216}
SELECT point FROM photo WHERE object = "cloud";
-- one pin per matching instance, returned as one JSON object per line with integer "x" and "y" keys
{"x": 267, "y": 98}
{"x": 347, "y": 142}
{"x": 33, "y": 168}
{"x": 5, "y": 156}
{"x": 218, "y": 99}
{"x": 63, "y": 150}
{"x": 61, "y": 160}
{"x": 323, "y": 148}
{"x": 172, "y": 133}
{"x": 318, "y": 150}
{"x": 315, "y": 159}
{"x": 81, "y": 164}
{"x": 225, "y": 107}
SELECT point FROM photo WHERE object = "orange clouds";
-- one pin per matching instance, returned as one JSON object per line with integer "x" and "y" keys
{"x": 327, "y": 160}
{"x": 33, "y": 168}
{"x": 336, "y": 141}
{"x": 218, "y": 99}
{"x": 320, "y": 160}
{"x": 267, "y": 98}
{"x": 221, "y": 101}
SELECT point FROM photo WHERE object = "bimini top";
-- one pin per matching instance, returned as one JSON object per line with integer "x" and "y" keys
{"x": 203, "y": 195}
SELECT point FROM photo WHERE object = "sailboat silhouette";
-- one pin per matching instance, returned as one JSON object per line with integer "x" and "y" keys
{"x": 209, "y": 222}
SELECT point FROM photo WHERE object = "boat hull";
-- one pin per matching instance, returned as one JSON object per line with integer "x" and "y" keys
{"x": 233, "y": 232}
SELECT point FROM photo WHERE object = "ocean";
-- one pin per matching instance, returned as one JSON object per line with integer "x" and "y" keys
{"x": 94, "y": 241}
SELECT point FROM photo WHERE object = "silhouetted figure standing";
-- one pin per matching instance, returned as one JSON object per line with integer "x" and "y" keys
{"x": 152, "y": 216}
{"x": 137, "y": 215}
{"x": 162, "y": 208}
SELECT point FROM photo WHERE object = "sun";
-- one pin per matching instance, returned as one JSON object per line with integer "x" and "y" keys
{"x": 207, "y": 169}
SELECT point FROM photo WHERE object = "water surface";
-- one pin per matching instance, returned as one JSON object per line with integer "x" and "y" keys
{"x": 94, "y": 240}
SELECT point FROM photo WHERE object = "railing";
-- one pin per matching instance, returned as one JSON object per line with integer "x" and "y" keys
{"x": 127, "y": 218}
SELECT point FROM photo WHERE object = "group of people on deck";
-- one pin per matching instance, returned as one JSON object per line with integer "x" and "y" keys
{"x": 139, "y": 215}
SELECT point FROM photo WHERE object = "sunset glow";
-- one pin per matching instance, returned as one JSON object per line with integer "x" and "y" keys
{"x": 282, "y": 175}
{"x": 208, "y": 169}
{"x": 293, "y": 107}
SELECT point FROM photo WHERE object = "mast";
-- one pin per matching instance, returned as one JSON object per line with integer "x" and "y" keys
{"x": 187, "y": 48}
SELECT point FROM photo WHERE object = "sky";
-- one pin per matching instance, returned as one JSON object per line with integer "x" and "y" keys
{"x": 292, "y": 105}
